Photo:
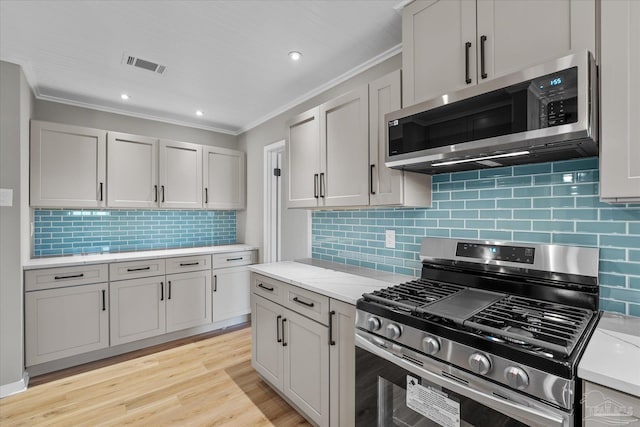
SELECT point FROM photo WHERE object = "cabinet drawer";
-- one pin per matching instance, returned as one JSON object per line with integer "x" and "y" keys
{"x": 233, "y": 259}
{"x": 188, "y": 263}
{"x": 136, "y": 269}
{"x": 268, "y": 288}
{"x": 49, "y": 278}
{"x": 307, "y": 303}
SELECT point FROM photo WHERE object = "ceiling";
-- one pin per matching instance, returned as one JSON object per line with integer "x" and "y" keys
{"x": 226, "y": 58}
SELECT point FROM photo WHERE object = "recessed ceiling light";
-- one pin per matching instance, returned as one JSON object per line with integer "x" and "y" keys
{"x": 295, "y": 55}
{"x": 124, "y": 96}
{"x": 199, "y": 113}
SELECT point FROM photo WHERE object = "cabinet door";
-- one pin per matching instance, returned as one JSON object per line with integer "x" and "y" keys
{"x": 267, "y": 352}
{"x": 67, "y": 166}
{"x": 342, "y": 362}
{"x": 180, "y": 175}
{"x": 231, "y": 293}
{"x": 386, "y": 183}
{"x": 620, "y": 102}
{"x": 66, "y": 321}
{"x": 303, "y": 160}
{"x": 434, "y": 52}
{"x": 569, "y": 26}
{"x": 306, "y": 365}
{"x": 224, "y": 178}
{"x": 188, "y": 300}
{"x": 132, "y": 171}
{"x": 137, "y": 309}
{"x": 344, "y": 139}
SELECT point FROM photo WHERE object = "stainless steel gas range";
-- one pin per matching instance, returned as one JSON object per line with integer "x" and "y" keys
{"x": 489, "y": 335}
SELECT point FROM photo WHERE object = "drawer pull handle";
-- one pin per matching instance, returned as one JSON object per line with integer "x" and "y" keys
{"x": 299, "y": 301}
{"x": 278, "y": 328}
{"x": 266, "y": 288}
{"x": 186, "y": 264}
{"x": 138, "y": 269}
{"x": 331, "y": 340}
{"x": 235, "y": 259}
{"x": 104, "y": 303}
{"x": 74, "y": 276}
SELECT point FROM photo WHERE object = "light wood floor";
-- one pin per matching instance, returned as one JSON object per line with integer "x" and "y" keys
{"x": 205, "y": 383}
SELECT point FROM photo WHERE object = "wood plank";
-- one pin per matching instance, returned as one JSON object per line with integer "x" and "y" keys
{"x": 205, "y": 381}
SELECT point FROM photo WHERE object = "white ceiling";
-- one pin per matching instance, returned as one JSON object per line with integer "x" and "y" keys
{"x": 227, "y": 58}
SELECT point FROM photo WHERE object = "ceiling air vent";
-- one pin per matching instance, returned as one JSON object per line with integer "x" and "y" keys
{"x": 144, "y": 64}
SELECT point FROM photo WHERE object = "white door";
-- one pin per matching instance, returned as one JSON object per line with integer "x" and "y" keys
{"x": 231, "y": 293}
{"x": 67, "y": 166}
{"x": 273, "y": 171}
{"x": 137, "y": 309}
{"x": 65, "y": 321}
{"x": 132, "y": 171}
{"x": 303, "y": 160}
{"x": 508, "y": 26}
{"x": 187, "y": 300}
{"x": 224, "y": 178}
{"x": 438, "y": 48}
{"x": 342, "y": 362}
{"x": 344, "y": 139}
{"x": 266, "y": 340}
{"x": 306, "y": 365}
{"x": 180, "y": 175}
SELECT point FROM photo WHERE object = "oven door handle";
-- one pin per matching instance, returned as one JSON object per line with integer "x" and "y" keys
{"x": 527, "y": 415}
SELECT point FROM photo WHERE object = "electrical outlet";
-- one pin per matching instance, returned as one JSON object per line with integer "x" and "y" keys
{"x": 390, "y": 239}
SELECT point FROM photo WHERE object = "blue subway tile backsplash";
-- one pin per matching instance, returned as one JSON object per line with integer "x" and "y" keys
{"x": 82, "y": 231}
{"x": 555, "y": 202}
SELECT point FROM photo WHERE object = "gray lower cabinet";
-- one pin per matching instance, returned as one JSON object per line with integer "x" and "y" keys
{"x": 66, "y": 321}
{"x": 602, "y": 406}
{"x": 231, "y": 293}
{"x": 303, "y": 345}
{"x": 187, "y": 302}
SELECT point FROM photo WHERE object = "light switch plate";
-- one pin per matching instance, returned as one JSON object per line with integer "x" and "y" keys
{"x": 6, "y": 197}
{"x": 390, "y": 239}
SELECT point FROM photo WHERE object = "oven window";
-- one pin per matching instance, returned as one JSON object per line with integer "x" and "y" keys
{"x": 381, "y": 400}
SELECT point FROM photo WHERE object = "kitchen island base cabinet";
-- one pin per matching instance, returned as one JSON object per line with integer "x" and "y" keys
{"x": 65, "y": 321}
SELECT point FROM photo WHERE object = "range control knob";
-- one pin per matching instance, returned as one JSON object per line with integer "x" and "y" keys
{"x": 373, "y": 323}
{"x": 479, "y": 363}
{"x": 516, "y": 377}
{"x": 430, "y": 345}
{"x": 393, "y": 331}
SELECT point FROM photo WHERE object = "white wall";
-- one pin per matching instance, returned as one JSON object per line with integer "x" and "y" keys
{"x": 16, "y": 101}
{"x": 78, "y": 116}
{"x": 295, "y": 223}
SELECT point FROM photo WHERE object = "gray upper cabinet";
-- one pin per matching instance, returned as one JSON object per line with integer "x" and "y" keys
{"x": 390, "y": 187}
{"x": 67, "y": 166}
{"x": 132, "y": 171}
{"x": 451, "y": 44}
{"x": 620, "y": 102}
{"x": 303, "y": 160}
{"x": 180, "y": 175}
{"x": 224, "y": 174}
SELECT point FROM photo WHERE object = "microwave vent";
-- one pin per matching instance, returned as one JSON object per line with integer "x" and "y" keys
{"x": 144, "y": 64}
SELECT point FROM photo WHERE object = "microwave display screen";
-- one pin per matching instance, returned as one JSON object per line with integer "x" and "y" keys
{"x": 543, "y": 102}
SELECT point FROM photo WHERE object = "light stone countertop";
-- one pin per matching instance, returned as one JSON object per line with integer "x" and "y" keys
{"x": 326, "y": 280}
{"x": 73, "y": 260}
{"x": 612, "y": 357}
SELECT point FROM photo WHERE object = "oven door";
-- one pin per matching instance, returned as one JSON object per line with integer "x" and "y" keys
{"x": 400, "y": 387}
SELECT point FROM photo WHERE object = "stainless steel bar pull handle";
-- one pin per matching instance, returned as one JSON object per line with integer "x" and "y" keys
{"x": 483, "y": 72}
{"x": 467, "y": 47}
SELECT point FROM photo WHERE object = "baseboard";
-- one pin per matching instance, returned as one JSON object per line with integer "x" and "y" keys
{"x": 16, "y": 387}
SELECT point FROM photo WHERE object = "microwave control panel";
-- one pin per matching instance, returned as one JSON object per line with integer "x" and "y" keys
{"x": 557, "y": 95}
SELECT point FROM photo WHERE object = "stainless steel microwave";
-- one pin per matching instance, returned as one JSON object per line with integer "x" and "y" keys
{"x": 544, "y": 113}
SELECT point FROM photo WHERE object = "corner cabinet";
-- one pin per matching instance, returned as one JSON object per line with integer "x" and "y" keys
{"x": 132, "y": 171}
{"x": 327, "y": 154}
{"x": 224, "y": 175}
{"x": 180, "y": 175}
{"x": 67, "y": 166}
{"x": 620, "y": 102}
{"x": 303, "y": 346}
{"x": 451, "y": 44}
{"x": 390, "y": 187}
